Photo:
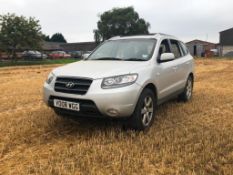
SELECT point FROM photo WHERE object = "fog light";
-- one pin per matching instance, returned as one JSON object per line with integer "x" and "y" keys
{"x": 112, "y": 112}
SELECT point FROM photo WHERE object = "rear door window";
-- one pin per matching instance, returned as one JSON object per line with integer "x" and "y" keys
{"x": 175, "y": 48}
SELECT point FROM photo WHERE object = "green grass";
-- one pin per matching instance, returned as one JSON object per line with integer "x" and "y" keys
{"x": 36, "y": 62}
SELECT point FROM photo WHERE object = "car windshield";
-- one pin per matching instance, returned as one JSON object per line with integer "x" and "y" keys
{"x": 125, "y": 49}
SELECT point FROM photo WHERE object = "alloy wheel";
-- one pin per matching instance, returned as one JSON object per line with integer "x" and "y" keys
{"x": 147, "y": 111}
{"x": 189, "y": 89}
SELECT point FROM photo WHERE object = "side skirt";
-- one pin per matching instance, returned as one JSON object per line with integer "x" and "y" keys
{"x": 169, "y": 97}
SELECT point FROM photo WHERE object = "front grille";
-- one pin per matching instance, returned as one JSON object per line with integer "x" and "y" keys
{"x": 80, "y": 85}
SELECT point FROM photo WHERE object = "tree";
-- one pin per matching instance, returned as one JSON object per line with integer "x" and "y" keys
{"x": 97, "y": 36}
{"x": 46, "y": 37}
{"x": 18, "y": 33}
{"x": 58, "y": 37}
{"x": 120, "y": 21}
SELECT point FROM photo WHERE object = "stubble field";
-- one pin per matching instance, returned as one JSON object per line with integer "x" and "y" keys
{"x": 186, "y": 138}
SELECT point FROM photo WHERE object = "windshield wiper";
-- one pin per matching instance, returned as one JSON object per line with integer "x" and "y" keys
{"x": 135, "y": 59}
{"x": 107, "y": 58}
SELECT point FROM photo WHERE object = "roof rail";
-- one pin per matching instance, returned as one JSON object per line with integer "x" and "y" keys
{"x": 152, "y": 33}
{"x": 164, "y": 34}
{"x": 132, "y": 35}
{"x": 115, "y": 37}
{"x": 143, "y": 34}
{"x": 149, "y": 34}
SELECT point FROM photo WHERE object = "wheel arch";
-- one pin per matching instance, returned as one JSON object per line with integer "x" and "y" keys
{"x": 152, "y": 87}
{"x": 191, "y": 75}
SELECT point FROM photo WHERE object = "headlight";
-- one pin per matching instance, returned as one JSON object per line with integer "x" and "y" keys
{"x": 50, "y": 78}
{"x": 119, "y": 81}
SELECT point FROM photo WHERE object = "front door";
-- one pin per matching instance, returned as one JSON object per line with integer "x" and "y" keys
{"x": 166, "y": 72}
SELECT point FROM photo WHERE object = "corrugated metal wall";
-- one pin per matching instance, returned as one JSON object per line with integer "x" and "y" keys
{"x": 199, "y": 49}
{"x": 226, "y": 37}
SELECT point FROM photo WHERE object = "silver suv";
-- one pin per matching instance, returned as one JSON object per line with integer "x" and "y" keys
{"x": 123, "y": 77}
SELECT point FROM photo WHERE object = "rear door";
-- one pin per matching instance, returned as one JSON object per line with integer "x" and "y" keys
{"x": 187, "y": 61}
{"x": 181, "y": 62}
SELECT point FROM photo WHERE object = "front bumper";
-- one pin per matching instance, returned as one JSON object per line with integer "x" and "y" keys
{"x": 116, "y": 102}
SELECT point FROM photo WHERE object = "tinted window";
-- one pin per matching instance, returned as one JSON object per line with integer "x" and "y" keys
{"x": 175, "y": 48}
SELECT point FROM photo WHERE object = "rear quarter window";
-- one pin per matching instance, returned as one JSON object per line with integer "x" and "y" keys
{"x": 184, "y": 48}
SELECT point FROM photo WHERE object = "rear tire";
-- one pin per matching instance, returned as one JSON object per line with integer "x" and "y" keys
{"x": 144, "y": 112}
{"x": 186, "y": 95}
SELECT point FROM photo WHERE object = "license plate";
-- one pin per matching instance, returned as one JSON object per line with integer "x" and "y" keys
{"x": 66, "y": 105}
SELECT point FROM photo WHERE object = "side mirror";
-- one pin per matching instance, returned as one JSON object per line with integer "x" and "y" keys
{"x": 85, "y": 55}
{"x": 167, "y": 57}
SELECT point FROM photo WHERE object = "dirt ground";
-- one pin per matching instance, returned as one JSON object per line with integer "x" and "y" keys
{"x": 186, "y": 138}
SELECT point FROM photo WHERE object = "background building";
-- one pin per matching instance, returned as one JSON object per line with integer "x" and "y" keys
{"x": 226, "y": 42}
{"x": 82, "y": 46}
{"x": 200, "y": 48}
{"x": 69, "y": 47}
{"x": 51, "y": 46}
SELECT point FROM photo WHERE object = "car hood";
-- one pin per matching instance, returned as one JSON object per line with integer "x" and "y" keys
{"x": 98, "y": 69}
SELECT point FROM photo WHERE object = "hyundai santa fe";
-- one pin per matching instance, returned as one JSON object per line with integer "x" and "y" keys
{"x": 124, "y": 77}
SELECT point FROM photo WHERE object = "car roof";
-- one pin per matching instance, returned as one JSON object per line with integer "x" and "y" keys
{"x": 148, "y": 36}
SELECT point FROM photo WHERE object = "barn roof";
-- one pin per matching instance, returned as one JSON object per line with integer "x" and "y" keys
{"x": 200, "y": 41}
{"x": 81, "y": 46}
{"x": 49, "y": 46}
{"x": 226, "y": 30}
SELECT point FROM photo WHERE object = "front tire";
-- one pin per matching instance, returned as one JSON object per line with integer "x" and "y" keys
{"x": 144, "y": 112}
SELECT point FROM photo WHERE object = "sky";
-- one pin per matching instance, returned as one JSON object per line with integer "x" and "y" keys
{"x": 76, "y": 19}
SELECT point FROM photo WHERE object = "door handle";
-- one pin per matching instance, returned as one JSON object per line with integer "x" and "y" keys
{"x": 187, "y": 63}
{"x": 174, "y": 67}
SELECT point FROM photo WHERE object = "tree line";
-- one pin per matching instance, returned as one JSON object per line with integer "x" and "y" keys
{"x": 19, "y": 32}
{"x": 57, "y": 37}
